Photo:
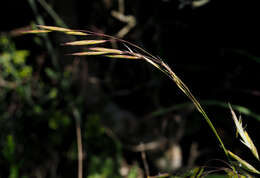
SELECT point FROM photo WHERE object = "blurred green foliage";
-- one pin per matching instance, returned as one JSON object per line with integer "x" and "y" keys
{"x": 37, "y": 123}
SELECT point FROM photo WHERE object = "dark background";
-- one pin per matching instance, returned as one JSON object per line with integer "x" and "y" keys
{"x": 212, "y": 48}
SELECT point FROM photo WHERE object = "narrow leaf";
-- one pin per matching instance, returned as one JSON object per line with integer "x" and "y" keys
{"x": 123, "y": 56}
{"x": 89, "y": 53}
{"x": 52, "y": 28}
{"x": 109, "y": 50}
{"x": 85, "y": 42}
{"x": 245, "y": 164}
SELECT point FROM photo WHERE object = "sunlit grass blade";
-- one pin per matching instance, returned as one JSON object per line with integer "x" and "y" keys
{"x": 244, "y": 164}
{"x": 123, "y": 56}
{"x": 109, "y": 50}
{"x": 89, "y": 53}
{"x": 76, "y": 33}
{"x": 246, "y": 140}
{"x": 84, "y": 42}
{"x": 52, "y": 28}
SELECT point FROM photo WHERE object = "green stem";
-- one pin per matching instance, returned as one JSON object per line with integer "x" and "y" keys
{"x": 52, "y": 13}
{"x": 167, "y": 70}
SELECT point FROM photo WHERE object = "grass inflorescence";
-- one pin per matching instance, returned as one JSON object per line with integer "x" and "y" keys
{"x": 132, "y": 51}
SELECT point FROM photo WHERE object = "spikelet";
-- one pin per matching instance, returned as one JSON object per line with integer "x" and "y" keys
{"x": 78, "y": 33}
{"x": 84, "y": 42}
{"x": 123, "y": 56}
{"x": 243, "y": 163}
{"x": 114, "y": 51}
{"x": 89, "y": 53}
{"x": 35, "y": 31}
{"x": 52, "y": 28}
{"x": 245, "y": 139}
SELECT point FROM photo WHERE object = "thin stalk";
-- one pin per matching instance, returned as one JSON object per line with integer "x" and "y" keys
{"x": 79, "y": 142}
{"x": 52, "y": 13}
{"x": 159, "y": 64}
{"x": 186, "y": 91}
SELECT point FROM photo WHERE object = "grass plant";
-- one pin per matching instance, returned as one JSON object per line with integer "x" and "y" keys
{"x": 133, "y": 52}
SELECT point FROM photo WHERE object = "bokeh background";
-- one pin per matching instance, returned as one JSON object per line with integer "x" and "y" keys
{"x": 129, "y": 119}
